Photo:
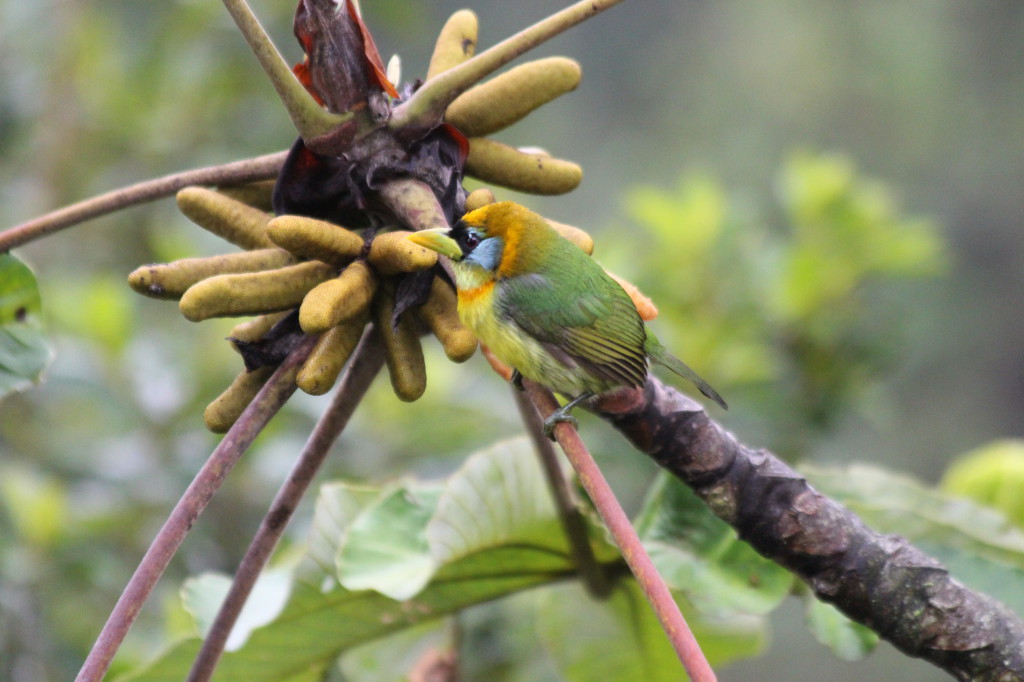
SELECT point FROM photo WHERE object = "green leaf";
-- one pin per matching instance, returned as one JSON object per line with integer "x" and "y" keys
{"x": 23, "y": 351}
{"x": 385, "y": 548}
{"x": 498, "y": 501}
{"x": 846, "y": 639}
{"x": 621, "y": 639}
{"x": 493, "y": 531}
{"x": 978, "y": 545}
{"x": 700, "y": 555}
{"x": 391, "y": 658}
{"x": 337, "y": 506}
{"x": 203, "y": 595}
{"x": 615, "y": 639}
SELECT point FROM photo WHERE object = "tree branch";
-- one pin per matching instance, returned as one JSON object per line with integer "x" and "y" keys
{"x": 882, "y": 581}
{"x": 250, "y": 423}
{"x": 238, "y": 172}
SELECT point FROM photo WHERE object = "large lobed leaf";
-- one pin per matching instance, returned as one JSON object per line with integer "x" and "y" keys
{"x": 383, "y": 560}
{"x": 700, "y": 555}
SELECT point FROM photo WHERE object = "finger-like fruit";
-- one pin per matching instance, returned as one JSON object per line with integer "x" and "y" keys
{"x": 510, "y": 96}
{"x": 253, "y": 293}
{"x": 227, "y": 218}
{"x": 440, "y": 312}
{"x": 402, "y": 349}
{"x": 330, "y": 354}
{"x": 330, "y": 303}
{"x": 507, "y": 166}
{"x": 256, "y": 194}
{"x": 644, "y": 305}
{"x": 318, "y": 239}
{"x": 479, "y": 197}
{"x": 171, "y": 280}
{"x": 391, "y": 253}
{"x": 575, "y": 235}
{"x": 222, "y": 413}
{"x": 256, "y": 328}
{"x": 456, "y": 43}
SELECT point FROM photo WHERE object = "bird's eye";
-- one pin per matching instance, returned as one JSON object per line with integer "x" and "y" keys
{"x": 470, "y": 240}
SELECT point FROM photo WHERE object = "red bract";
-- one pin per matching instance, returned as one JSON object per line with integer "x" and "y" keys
{"x": 344, "y": 72}
{"x": 342, "y": 68}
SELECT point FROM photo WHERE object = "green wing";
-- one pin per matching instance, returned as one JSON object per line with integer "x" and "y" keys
{"x": 580, "y": 315}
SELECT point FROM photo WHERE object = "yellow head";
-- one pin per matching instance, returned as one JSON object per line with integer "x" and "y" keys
{"x": 502, "y": 239}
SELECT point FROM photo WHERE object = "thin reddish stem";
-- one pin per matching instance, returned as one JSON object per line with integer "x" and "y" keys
{"x": 268, "y": 401}
{"x": 573, "y": 524}
{"x": 248, "y": 170}
{"x": 364, "y": 365}
{"x": 654, "y": 588}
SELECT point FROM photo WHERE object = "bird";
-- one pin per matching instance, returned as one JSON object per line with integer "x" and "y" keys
{"x": 546, "y": 309}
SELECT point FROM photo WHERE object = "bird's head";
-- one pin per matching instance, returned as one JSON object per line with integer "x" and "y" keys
{"x": 489, "y": 238}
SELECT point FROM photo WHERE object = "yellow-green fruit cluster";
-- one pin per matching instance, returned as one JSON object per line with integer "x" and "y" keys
{"x": 337, "y": 279}
{"x": 498, "y": 103}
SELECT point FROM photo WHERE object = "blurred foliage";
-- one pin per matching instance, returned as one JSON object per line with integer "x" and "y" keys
{"x": 992, "y": 475}
{"x": 94, "y": 95}
{"x": 793, "y": 315}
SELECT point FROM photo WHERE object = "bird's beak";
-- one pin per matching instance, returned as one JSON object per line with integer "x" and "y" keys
{"x": 437, "y": 239}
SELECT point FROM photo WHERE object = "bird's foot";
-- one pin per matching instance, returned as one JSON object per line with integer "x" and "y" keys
{"x": 562, "y": 415}
{"x": 517, "y": 379}
{"x": 557, "y": 417}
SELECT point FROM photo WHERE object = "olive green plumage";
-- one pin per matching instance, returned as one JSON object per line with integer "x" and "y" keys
{"x": 546, "y": 308}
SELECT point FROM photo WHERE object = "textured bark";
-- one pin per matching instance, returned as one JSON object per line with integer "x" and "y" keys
{"x": 882, "y": 581}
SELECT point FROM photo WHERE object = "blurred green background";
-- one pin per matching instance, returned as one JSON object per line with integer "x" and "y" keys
{"x": 927, "y": 97}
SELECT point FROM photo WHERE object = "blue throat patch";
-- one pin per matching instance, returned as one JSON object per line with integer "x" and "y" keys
{"x": 487, "y": 253}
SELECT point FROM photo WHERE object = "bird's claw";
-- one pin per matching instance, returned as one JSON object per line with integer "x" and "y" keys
{"x": 557, "y": 417}
{"x": 517, "y": 379}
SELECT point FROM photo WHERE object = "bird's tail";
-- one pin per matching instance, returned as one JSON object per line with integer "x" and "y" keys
{"x": 660, "y": 355}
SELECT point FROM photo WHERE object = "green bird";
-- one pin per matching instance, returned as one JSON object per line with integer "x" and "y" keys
{"x": 546, "y": 309}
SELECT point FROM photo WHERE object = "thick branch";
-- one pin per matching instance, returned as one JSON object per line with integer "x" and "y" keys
{"x": 248, "y": 170}
{"x": 882, "y": 581}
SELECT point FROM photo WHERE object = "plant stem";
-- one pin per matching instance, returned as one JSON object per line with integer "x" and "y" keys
{"x": 593, "y": 575}
{"x": 654, "y": 588}
{"x": 363, "y": 366}
{"x": 248, "y": 170}
{"x": 414, "y": 203}
{"x": 308, "y": 117}
{"x": 427, "y": 105}
{"x": 268, "y": 401}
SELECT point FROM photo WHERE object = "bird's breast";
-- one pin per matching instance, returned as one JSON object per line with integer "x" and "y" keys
{"x": 476, "y": 309}
{"x": 519, "y": 350}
